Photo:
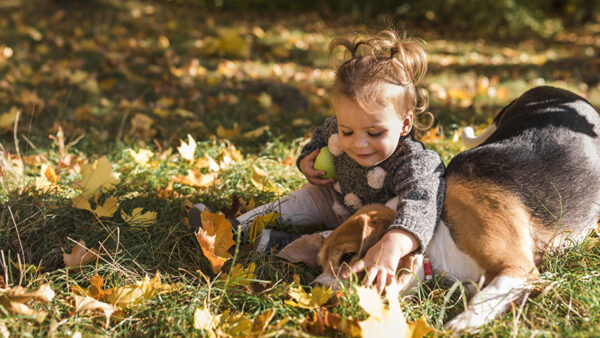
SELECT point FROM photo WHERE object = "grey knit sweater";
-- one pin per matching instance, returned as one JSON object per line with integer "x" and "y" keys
{"x": 411, "y": 174}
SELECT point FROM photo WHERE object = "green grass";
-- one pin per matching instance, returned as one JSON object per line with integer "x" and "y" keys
{"x": 91, "y": 68}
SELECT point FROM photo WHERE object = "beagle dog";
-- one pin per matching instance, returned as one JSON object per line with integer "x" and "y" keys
{"x": 529, "y": 188}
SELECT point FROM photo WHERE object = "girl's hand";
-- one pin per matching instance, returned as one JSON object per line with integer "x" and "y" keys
{"x": 382, "y": 259}
{"x": 312, "y": 175}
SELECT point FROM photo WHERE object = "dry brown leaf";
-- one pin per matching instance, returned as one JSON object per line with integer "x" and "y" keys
{"x": 324, "y": 321}
{"x": 13, "y": 300}
{"x": 86, "y": 304}
{"x": 80, "y": 255}
{"x": 95, "y": 290}
{"x": 215, "y": 238}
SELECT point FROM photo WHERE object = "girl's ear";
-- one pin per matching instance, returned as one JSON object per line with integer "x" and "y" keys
{"x": 407, "y": 123}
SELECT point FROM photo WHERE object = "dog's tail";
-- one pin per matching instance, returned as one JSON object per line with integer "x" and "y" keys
{"x": 468, "y": 134}
{"x": 471, "y": 141}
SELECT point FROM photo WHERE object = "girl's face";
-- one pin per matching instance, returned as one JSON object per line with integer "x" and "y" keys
{"x": 369, "y": 137}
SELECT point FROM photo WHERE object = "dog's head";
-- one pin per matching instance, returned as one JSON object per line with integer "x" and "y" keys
{"x": 349, "y": 242}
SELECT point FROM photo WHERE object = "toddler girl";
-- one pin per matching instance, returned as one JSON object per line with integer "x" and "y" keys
{"x": 377, "y": 98}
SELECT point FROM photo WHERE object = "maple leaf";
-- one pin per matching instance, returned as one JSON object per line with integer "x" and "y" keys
{"x": 7, "y": 120}
{"x": 107, "y": 209}
{"x": 261, "y": 322}
{"x": 80, "y": 255}
{"x": 215, "y": 238}
{"x": 205, "y": 320}
{"x": 239, "y": 275}
{"x": 96, "y": 176}
{"x": 86, "y": 304}
{"x": 323, "y": 320}
{"x": 383, "y": 321}
{"x": 13, "y": 300}
{"x": 228, "y": 156}
{"x": 141, "y": 126}
{"x": 95, "y": 290}
{"x": 141, "y": 157}
{"x": 187, "y": 150}
{"x": 207, "y": 162}
{"x": 196, "y": 178}
{"x": 259, "y": 223}
{"x": 139, "y": 218}
{"x": 126, "y": 296}
{"x": 418, "y": 328}
{"x": 229, "y": 134}
{"x": 317, "y": 296}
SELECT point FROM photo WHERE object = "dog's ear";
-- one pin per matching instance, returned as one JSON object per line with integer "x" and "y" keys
{"x": 374, "y": 226}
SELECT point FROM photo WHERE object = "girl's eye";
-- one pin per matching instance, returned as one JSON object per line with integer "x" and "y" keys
{"x": 346, "y": 133}
{"x": 376, "y": 134}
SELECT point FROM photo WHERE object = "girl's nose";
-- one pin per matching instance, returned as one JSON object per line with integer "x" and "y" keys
{"x": 360, "y": 142}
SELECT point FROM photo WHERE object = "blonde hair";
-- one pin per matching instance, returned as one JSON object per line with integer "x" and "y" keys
{"x": 384, "y": 60}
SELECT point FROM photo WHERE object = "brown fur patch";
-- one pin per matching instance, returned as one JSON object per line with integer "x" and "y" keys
{"x": 491, "y": 225}
{"x": 356, "y": 235}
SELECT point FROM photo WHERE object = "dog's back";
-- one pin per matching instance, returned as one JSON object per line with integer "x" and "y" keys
{"x": 545, "y": 151}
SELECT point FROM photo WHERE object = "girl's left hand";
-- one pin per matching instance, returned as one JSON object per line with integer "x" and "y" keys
{"x": 382, "y": 259}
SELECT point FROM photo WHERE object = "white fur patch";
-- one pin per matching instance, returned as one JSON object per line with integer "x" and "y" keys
{"x": 375, "y": 178}
{"x": 393, "y": 203}
{"x": 337, "y": 187}
{"x": 339, "y": 210}
{"x": 353, "y": 201}
{"x": 335, "y": 147}
{"x": 489, "y": 303}
{"x": 446, "y": 258}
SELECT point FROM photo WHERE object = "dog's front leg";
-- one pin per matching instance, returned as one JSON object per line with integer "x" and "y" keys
{"x": 489, "y": 303}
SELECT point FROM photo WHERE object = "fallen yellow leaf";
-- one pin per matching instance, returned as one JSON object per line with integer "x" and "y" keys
{"x": 107, "y": 209}
{"x": 261, "y": 322}
{"x": 96, "y": 176}
{"x": 80, "y": 255}
{"x": 259, "y": 223}
{"x": 215, "y": 238}
{"x": 418, "y": 328}
{"x": 141, "y": 126}
{"x": 229, "y": 134}
{"x": 139, "y": 218}
{"x": 13, "y": 300}
{"x": 207, "y": 162}
{"x": 196, "y": 178}
{"x": 126, "y": 296}
{"x": 141, "y": 157}
{"x": 187, "y": 150}
{"x": 86, "y": 304}
{"x": 324, "y": 321}
{"x": 239, "y": 275}
{"x": 7, "y": 120}
{"x": 95, "y": 290}
{"x": 383, "y": 321}
{"x": 205, "y": 320}
{"x": 318, "y": 296}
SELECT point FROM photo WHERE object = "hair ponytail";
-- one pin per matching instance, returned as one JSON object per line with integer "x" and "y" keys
{"x": 387, "y": 58}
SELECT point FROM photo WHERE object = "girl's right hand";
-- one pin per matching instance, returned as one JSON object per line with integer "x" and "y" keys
{"x": 312, "y": 175}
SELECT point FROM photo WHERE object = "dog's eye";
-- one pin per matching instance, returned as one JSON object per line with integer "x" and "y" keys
{"x": 346, "y": 257}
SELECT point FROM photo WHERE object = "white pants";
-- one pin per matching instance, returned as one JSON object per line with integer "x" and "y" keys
{"x": 308, "y": 206}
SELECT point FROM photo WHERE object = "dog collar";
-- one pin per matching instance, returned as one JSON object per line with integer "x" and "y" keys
{"x": 427, "y": 268}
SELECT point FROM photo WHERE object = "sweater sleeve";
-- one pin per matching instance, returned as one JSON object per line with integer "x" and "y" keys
{"x": 319, "y": 138}
{"x": 420, "y": 187}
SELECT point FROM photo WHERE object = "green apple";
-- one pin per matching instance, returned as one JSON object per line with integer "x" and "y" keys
{"x": 324, "y": 161}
